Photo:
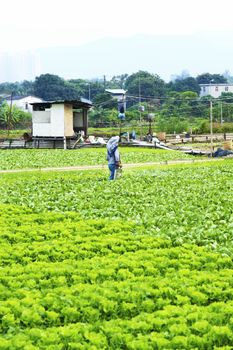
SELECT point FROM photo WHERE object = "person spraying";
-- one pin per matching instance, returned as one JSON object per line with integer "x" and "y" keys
{"x": 113, "y": 156}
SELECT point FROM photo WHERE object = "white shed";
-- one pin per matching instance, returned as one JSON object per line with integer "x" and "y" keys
{"x": 23, "y": 102}
{"x": 63, "y": 118}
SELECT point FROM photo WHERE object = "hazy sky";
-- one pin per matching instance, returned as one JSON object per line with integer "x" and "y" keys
{"x": 28, "y": 24}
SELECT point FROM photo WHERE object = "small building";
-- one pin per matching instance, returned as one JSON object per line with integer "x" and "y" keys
{"x": 60, "y": 119}
{"x": 215, "y": 90}
{"x": 119, "y": 94}
{"x": 23, "y": 102}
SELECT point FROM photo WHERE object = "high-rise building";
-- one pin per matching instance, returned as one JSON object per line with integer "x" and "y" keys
{"x": 19, "y": 66}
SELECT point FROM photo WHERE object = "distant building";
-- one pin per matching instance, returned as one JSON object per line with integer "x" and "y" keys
{"x": 19, "y": 66}
{"x": 119, "y": 94}
{"x": 215, "y": 90}
{"x": 23, "y": 102}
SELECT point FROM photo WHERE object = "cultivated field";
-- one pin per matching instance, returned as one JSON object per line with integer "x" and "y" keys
{"x": 144, "y": 262}
{"x": 42, "y": 158}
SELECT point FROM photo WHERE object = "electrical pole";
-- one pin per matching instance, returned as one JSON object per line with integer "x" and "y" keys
{"x": 140, "y": 109}
{"x": 221, "y": 119}
{"x": 9, "y": 116}
{"x": 211, "y": 128}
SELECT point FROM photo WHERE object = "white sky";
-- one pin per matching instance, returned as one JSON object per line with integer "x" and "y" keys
{"x": 28, "y": 24}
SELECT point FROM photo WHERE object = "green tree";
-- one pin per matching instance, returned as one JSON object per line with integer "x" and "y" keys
{"x": 10, "y": 117}
{"x": 207, "y": 78}
{"x": 186, "y": 84}
{"x": 51, "y": 87}
{"x": 148, "y": 85}
{"x": 180, "y": 111}
{"x": 81, "y": 86}
{"x": 105, "y": 100}
{"x": 172, "y": 125}
{"x": 27, "y": 88}
{"x": 227, "y": 97}
{"x": 226, "y": 107}
{"x": 118, "y": 81}
{"x": 19, "y": 88}
{"x": 99, "y": 117}
{"x": 87, "y": 88}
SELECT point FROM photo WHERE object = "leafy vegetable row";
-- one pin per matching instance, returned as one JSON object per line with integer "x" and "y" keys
{"x": 94, "y": 284}
{"x": 43, "y": 158}
{"x": 189, "y": 204}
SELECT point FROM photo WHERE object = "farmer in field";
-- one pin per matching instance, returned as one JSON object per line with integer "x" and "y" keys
{"x": 113, "y": 156}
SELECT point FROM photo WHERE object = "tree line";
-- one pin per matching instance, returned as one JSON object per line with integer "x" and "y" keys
{"x": 174, "y": 105}
{"x": 51, "y": 87}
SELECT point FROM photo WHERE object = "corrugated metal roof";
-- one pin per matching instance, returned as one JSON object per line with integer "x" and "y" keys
{"x": 81, "y": 103}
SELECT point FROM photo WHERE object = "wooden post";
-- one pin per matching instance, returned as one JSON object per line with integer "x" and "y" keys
{"x": 64, "y": 141}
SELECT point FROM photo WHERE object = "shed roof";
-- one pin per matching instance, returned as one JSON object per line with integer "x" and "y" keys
{"x": 18, "y": 97}
{"x": 116, "y": 91}
{"x": 81, "y": 103}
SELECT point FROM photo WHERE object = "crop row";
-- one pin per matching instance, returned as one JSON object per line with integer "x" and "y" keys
{"x": 142, "y": 263}
{"x": 42, "y": 158}
{"x": 189, "y": 204}
{"x": 94, "y": 284}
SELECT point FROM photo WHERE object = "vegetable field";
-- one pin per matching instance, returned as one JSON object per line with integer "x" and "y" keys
{"x": 144, "y": 262}
{"x": 39, "y": 158}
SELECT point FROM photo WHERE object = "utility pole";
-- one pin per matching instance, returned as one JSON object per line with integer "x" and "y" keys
{"x": 140, "y": 109}
{"x": 211, "y": 128}
{"x": 221, "y": 119}
{"x": 89, "y": 91}
{"x": 9, "y": 116}
{"x": 88, "y": 85}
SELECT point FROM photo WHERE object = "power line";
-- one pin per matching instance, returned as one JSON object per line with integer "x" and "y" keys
{"x": 178, "y": 99}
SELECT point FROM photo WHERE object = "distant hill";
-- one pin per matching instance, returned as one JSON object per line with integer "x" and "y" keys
{"x": 164, "y": 55}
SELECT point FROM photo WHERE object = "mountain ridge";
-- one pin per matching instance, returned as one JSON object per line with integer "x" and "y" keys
{"x": 164, "y": 55}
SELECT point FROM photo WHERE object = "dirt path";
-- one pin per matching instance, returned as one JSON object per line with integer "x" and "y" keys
{"x": 104, "y": 167}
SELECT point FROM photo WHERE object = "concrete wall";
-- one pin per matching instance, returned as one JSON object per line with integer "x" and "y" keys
{"x": 41, "y": 130}
{"x": 215, "y": 90}
{"x": 41, "y": 123}
{"x": 41, "y": 117}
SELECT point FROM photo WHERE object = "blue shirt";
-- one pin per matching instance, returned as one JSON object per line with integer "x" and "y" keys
{"x": 114, "y": 157}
